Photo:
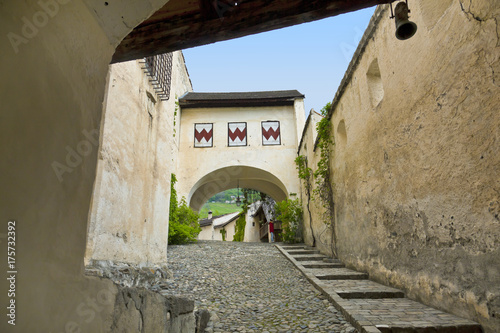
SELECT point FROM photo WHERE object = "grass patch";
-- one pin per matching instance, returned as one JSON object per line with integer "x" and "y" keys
{"x": 218, "y": 208}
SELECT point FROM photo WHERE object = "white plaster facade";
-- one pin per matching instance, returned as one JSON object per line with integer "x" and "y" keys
{"x": 204, "y": 172}
{"x": 136, "y": 159}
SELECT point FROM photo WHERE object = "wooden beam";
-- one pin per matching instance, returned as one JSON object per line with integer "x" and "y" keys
{"x": 172, "y": 28}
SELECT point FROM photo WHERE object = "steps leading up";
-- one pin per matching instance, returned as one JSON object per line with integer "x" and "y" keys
{"x": 351, "y": 289}
{"x": 302, "y": 252}
{"x": 369, "y": 306}
{"x": 319, "y": 264}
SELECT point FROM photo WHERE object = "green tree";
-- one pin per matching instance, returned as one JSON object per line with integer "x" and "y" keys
{"x": 183, "y": 221}
{"x": 289, "y": 212}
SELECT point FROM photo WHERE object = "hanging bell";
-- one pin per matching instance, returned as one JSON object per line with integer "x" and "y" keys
{"x": 404, "y": 27}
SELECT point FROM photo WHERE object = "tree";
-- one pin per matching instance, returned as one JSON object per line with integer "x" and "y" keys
{"x": 289, "y": 212}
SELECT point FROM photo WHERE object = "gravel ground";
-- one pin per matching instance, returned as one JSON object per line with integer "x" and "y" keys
{"x": 249, "y": 287}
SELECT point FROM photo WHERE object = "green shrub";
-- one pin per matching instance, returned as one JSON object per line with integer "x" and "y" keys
{"x": 183, "y": 221}
{"x": 289, "y": 212}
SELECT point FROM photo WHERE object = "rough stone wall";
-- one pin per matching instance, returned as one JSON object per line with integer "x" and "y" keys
{"x": 129, "y": 213}
{"x": 417, "y": 158}
{"x": 140, "y": 310}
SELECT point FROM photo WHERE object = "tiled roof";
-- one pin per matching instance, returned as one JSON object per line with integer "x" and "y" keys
{"x": 206, "y": 222}
{"x": 255, "y": 98}
{"x": 227, "y": 222}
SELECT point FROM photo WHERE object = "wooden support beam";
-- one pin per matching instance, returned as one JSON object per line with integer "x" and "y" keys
{"x": 182, "y": 24}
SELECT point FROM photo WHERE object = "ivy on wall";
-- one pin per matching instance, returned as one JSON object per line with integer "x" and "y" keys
{"x": 305, "y": 174}
{"x": 323, "y": 177}
{"x": 239, "y": 228}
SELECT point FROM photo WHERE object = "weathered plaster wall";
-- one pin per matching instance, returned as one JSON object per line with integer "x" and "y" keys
{"x": 242, "y": 164}
{"x": 316, "y": 231}
{"x": 230, "y": 228}
{"x": 52, "y": 90}
{"x": 417, "y": 159}
{"x": 252, "y": 228}
{"x": 129, "y": 213}
{"x": 206, "y": 233}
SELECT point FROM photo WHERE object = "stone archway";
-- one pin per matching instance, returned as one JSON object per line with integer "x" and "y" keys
{"x": 233, "y": 176}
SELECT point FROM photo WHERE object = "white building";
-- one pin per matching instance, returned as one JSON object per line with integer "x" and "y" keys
{"x": 212, "y": 227}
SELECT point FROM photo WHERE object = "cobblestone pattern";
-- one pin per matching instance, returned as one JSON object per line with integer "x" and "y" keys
{"x": 249, "y": 287}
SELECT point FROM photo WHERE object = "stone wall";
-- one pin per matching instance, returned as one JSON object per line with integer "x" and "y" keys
{"x": 129, "y": 212}
{"x": 417, "y": 156}
{"x": 316, "y": 231}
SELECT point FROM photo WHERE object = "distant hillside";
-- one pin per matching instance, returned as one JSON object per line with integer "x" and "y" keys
{"x": 218, "y": 208}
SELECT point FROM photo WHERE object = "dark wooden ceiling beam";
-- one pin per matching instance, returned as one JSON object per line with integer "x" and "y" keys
{"x": 170, "y": 29}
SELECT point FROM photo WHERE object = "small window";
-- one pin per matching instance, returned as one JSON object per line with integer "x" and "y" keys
{"x": 203, "y": 135}
{"x": 374, "y": 80}
{"x": 271, "y": 135}
{"x": 342, "y": 133}
{"x": 236, "y": 134}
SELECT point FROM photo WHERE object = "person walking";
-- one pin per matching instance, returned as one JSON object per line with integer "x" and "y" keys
{"x": 271, "y": 231}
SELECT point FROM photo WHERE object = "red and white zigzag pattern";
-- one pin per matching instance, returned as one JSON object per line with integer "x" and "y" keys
{"x": 271, "y": 133}
{"x": 237, "y": 133}
{"x": 203, "y": 134}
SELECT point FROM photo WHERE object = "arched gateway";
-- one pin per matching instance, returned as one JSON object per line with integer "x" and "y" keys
{"x": 238, "y": 139}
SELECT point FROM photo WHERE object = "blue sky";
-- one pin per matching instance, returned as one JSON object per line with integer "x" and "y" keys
{"x": 310, "y": 57}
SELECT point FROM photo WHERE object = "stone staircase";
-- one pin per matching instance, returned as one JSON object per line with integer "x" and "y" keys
{"x": 369, "y": 306}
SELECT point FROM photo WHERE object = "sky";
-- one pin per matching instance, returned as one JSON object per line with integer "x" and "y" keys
{"x": 310, "y": 57}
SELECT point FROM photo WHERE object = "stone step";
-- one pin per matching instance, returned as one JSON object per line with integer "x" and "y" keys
{"x": 309, "y": 258}
{"x": 338, "y": 274}
{"x": 351, "y": 289}
{"x": 319, "y": 264}
{"x": 294, "y": 253}
{"x": 405, "y": 315}
{"x": 331, "y": 260}
{"x": 359, "y": 300}
{"x": 288, "y": 248}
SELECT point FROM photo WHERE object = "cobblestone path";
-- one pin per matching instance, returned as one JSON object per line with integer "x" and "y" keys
{"x": 250, "y": 287}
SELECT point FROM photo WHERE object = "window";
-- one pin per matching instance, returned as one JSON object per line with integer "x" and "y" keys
{"x": 271, "y": 133}
{"x": 236, "y": 134}
{"x": 203, "y": 135}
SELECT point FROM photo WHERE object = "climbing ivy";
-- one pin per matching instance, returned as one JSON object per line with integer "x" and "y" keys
{"x": 223, "y": 233}
{"x": 239, "y": 228}
{"x": 323, "y": 177}
{"x": 305, "y": 173}
{"x": 322, "y": 174}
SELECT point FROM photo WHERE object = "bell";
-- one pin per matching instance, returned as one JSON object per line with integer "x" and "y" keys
{"x": 404, "y": 27}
